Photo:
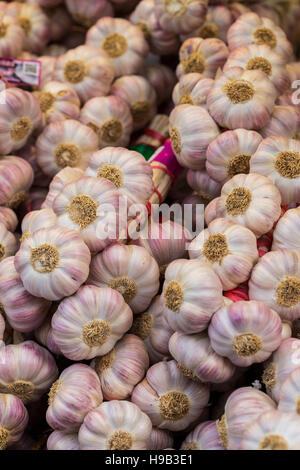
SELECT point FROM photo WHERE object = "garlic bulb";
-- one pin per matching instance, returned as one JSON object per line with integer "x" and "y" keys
{"x": 203, "y": 56}
{"x": 249, "y": 200}
{"x": 63, "y": 177}
{"x": 115, "y": 425}
{"x": 181, "y": 17}
{"x": 139, "y": 95}
{"x": 34, "y": 220}
{"x": 170, "y": 399}
{"x": 8, "y": 243}
{"x": 55, "y": 50}
{"x": 230, "y": 249}
{"x": 197, "y": 360}
{"x": 60, "y": 440}
{"x": 24, "y": 312}
{"x": 60, "y": 24}
{"x": 123, "y": 42}
{"x": 122, "y": 368}
{"x": 204, "y": 437}
{"x": 13, "y": 419}
{"x": 289, "y": 397}
{"x": 8, "y": 218}
{"x": 16, "y": 177}
{"x": 230, "y": 154}
{"x": 191, "y": 131}
{"x": 285, "y": 234}
{"x": 192, "y": 88}
{"x": 242, "y": 99}
{"x": 11, "y": 36}
{"x": 245, "y": 332}
{"x": 160, "y": 439}
{"x": 87, "y": 70}
{"x": 48, "y": 67}
{"x": 65, "y": 143}
{"x": 275, "y": 280}
{"x": 205, "y": 187}
{"x": 89, "y": 323}
{"x": 162, "y": 78}
{"x": 110, "y": 118}
{"x": 44, "y": 334}
{"x": 285, "y": 121}
{"x": 192, "y": 292}
{"x": 28, "y": 153}
{"x": 76, "y": 392}
{"x": 26, "y": 370}
{"x": 46, "y": 265}
{"x": 87, "y": 13}
{"x": 35, "y": 25}
{"x": 36, "y": 198}
{"x": 130, "y": 270}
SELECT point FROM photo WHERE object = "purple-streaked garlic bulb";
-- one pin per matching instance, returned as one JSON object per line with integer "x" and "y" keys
{"x": 110, "y": 118}
{"x": 289, "y": 397}
{"x": 162, "y": 78}
{"x": 285, "y": 121}
{"x": 16, "y": 178}
{"x": 230, "y": 154}
{"x": 192, "y": 88}
{"x": 122, "y": 368}
{"x": 11, "y": 36}
{"x": 122, "y": 42}
{"x": 245, "y": 332}
{"x": 250, "y": 200}
{"x": 115, "y": 425}
{"x": 60, "y": 440}
{"x": 87, "y": 70}
{"x": 46, "y": 264}
{"x": 205, "y": 187}
{"x": 76, "y": 392}
{"x": 28, "y": 153}
{"x": 8, "y": 218}
{"x": 13, "y": 419}
{"x": 44, "y": 334}
{"x": 60, "y": 24}
{"x": 170, "y": 399}
{"x": 191, "y": 130}
{"x": 87, "y": 13}
{"x": 36, "y": 27}
{"x": 26, "y": 370}
{"x": 9, "y": 243}
{"x": 160, "y": 439}
{"x": 130, "y": 270}
{"x": 192, "y": 292}
{"x": 34, "y": 220}
{"x": 89, "y": 323}
{"x": 205, "y": 436}
{"x": 285, "y": 234}
{"x": 48, "y": 67}
{"x": 181, "y": 17}
{"x": 63, "y": 177}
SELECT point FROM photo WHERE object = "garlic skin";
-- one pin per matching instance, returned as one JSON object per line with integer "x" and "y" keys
{"x": 170, "y": 399}
{"x": 26, "y": 370}
{"x": 12, "y": 36}
{"x": 191, "y": 130}
{"x": 110, "y": 118}
{"x": 65, "y": 143}
{"x": 60, "y": 440}
{"x": 160, "y": 439}
{"x": 219, "y": 18}
{"x": 273, "y": 431}
{"x": 8, "y": 243}
{"x": 8, "y": 218}
{"x": 285, "y": 234}
{"x": 275, "y": 280}
{"x": 242, "y": 99}
{"x": 76, "y": 392}
{"x": 206, "y": 187}
{"x": 122, "y": 368}
{"x": 192, "y": 88}
{"x": 24, "y": 312}
{"x": 87, "y": 70}
{"x": 13, "y": 419}
{"x": 290, "y": 393}
{"x": 204, "y": 437}
{"x": 126, "y": 169}
{"x": 36, "y": 27}
{"x": 192, "y": 292}
{"x": 44, "y": 335}
{"x": 251, "y": 28}
{"x": 162, "y": 78}
{"x": 130, "y": 270}
{"x": 46, "y": 265}
{"x": 47, "y": 70}
{"x": 123, "y": 42}
{"x": 203, "y": 56}
{"x": 20, "y": 116}
{"x": 230, "y": 154}
{"x": 86, "y": 14}
{"x": 115, "y": 425}
{"x": 36, "y": 197}
{"x": 285, "y": 121}
{"x": 197, "y": 360}
{"x": 181, "y": 17}
{"x": 246, "y": 332}
{"x": 61, "y": 179}
{"x": 231, "y": 250}
{"x": 139, "y": 95}
{"x": 55, "y": 50}
{"x": 249, "y": 200}
{"x": 28, "y": 153}
{"x": 60, "y": 23}
{"x": 16, "y": 177}
{"x": 89, "y": 323}
{"x": 35, "y": 220}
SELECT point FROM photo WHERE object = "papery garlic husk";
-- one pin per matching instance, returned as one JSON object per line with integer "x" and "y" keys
{"x": 289, "y": 397}
{"x": 275, "y": 280}
{"x": 55, "y": 50}
{"x": 285, "y": 121}
{"x": 60, "y": 23}
{"x": 76, "y": 392}
{"x": 268, "y": 11}
{"x": 36, "y": 27}
{"x": 238, "y": 9}
{"x": 139, "y": 95}
{"x": 48, "y": 67}
{"x": 16, "y": 177}
{"x": 197, "y": 360}
{"x": 162, "y": 78}
{"x": 249, "y": 200}
{"x": 115, "y": 425}
{"x": 231, "y": 249}
{"x": 123, "y": 42}
{"x": 286, "y": 232}
{"x": 170, "y": 399}
{"x": 13, "y": 419}
{"x": 60, "y": 440}
{"x": 192, "y": 88}
{"x": 130, "y": 270}
{"x": 278, "y": 158}
{"x": 286, "y": 330}
{"x": 24, "y": 312}
{"x": 86, "y": 14}
{"x": 242, "y": 99}
{"x": 191, "y": 131}
{"x": 34, "y": 220}
{"x": 204, "y": 437}
{"x": 245, "y": 332}
{"x": 28, "y": 153}
{"x": 192, "y": 292}
{"x": 36, "y": 197}
{"x": 63, "y": 177}
{"x": 44, "y": 334}
{"x": 205, "y": 187}
{"x": 110, "y": 118}
{"x": 181, "y": 17}
{"x": 87, "y": 70}
{"x": 203, "y": 56}
{"x": 26, "y": 370}
{"x": 122, "y": 368}
{"x": 293, "y": 70}
{"x": 160, "y": 439}
{"x": 11, "y": 36}
{"x": 273, "y": 431}
{"x": 9, "y": 243}
{"x": 46, "y": 265}
{"x": 89, "y": 323}
{"x": 8, "y": 218}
